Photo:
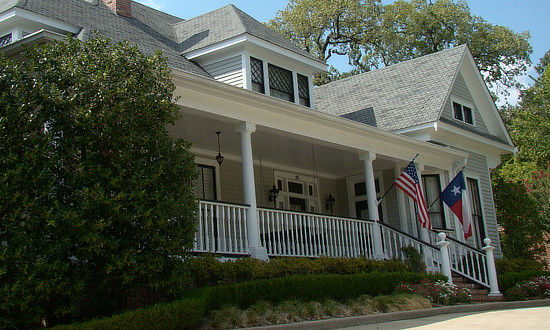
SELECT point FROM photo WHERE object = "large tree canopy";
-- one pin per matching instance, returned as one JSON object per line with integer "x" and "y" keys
{"x": 373, "y": 35}
{"x": 95, "y": 196}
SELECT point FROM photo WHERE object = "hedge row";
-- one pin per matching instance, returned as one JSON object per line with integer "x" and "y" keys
{"x": 307, "y": 288}
{"x": 508, "y": 280}
{"x": 517, "y": 265}
{"x": 180, "y": 314}
{"x": 207, "y": 270}
{"x": 189, "y": 311}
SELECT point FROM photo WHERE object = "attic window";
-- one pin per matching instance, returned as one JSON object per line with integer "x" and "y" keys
{"x": 257, "y": 75}
{"x": 280, "y": 83}
{"x": 463, "y": 113}
{"x": 303, "y": 90}
{"x": 5, "y": 40}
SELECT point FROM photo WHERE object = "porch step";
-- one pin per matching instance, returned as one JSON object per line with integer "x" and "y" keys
{"x": 479, "y": 293}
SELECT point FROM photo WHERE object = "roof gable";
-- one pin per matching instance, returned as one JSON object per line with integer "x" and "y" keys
{"x": 402, "y": 95}
{"x": 224, "y": 24}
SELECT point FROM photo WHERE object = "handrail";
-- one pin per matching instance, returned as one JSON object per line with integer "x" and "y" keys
{"x": 409, "y": 235}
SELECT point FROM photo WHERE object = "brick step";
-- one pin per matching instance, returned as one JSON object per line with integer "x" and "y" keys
{"x": 467, "y": 285}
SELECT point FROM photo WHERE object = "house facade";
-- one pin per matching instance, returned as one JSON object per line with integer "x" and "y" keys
{"x": 303, "y": 168}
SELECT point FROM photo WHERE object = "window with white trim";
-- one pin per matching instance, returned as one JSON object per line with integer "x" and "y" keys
{"x": 257, "y": 75}
{"x": 303, "y": 90}
{"x": 432, "y": 189}
{"x": 463, "y": 113}
{"x": 280, "y": 83}
{"x": 297, "y": 192}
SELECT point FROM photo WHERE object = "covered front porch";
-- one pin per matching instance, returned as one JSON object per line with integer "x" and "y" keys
{"x": 329, "y": 173}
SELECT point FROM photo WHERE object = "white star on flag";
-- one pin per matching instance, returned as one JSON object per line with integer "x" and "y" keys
{"x": 456, "y": 190}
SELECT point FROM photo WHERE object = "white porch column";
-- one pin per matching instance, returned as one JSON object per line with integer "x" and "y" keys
{"x": 257, "y": 251}
{"x": 372, "y": 202}
{"x": 401, "y": 208}
{"x": 422, "y": 232}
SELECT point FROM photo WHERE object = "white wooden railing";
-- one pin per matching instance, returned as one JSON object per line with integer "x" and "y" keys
{"x": 297, "y": 234}
{"x": 221, "y": 228}
{"x": 394, "y": 240}
{"x": 468, "y": 262}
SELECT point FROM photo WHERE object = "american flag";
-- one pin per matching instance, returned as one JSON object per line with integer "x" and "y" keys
{"x": 409, "y": 183}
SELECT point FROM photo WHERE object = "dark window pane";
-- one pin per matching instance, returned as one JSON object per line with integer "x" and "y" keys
{"x": 303, "y": 90}
{"x": 295, "y": 187}
{"x": 468, "y": 115}
{"x": 297, "y": 204}
{"x": 257, "y": 75}
{"x": 432, "y": 189}
{"x": 360, "y": 189}
{"x": 457, "y": 111}
{"x": 5, "y": 40}
{"x": 280, "y": 83}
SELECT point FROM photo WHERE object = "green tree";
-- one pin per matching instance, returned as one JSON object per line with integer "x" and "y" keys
{"x": 529, "y": 127}
{"x": 96, "y": 198}
{"x": 372, "y": 34}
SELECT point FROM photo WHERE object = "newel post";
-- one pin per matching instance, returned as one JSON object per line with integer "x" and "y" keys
{"x": 491, "y": 268}
{"x": 445, "y": 260}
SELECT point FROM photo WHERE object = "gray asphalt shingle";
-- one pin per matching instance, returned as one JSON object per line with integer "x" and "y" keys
{"x": 402, "y": 95}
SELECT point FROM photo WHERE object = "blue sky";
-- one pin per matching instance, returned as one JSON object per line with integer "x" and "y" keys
{"x": 525, "y": 15}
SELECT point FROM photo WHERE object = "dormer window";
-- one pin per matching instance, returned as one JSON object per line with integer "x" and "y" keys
{"x": 463, "y": 113}
{"x": 303, "y": 90}
{"x": 257, "y": 75}
{"x": 5, "y": 40}
{"x": 280, "y": 83}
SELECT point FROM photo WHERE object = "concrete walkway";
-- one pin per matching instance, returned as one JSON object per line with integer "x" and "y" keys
{"x": 534, "y": 314}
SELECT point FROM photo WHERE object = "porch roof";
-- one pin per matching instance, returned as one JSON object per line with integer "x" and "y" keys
{"x": 228, "y": 106}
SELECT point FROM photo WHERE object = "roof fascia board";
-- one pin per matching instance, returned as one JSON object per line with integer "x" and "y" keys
{"x": 486, "y": 96}
{"x": 318, "y": 65}
{"x": 449, "y": 91}
{"x": 242, "y": 105}
{"x": 43, "y": 20}
{"x": 444, "y": 128}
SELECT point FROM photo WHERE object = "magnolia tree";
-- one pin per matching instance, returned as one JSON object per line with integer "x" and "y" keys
{"x": 96, "y": 198}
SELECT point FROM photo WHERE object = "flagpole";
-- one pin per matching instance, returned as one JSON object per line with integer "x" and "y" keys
{"x": 390, "y": 188}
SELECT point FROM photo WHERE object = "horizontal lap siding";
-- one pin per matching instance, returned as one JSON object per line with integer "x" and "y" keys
{"x": 461, "y": 93}
{"x": 477, "y": 167}
{"x": 228, "y": 71}
{"x": 392, "y": 212}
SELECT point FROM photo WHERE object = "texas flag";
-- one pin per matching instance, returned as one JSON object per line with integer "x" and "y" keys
{"x": 453, "y": 197}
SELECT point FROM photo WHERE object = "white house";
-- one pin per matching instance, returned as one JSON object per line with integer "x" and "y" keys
{"x": 329, "y": 152}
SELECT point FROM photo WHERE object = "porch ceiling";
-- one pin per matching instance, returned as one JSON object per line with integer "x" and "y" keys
{"x": 275, "y": 148}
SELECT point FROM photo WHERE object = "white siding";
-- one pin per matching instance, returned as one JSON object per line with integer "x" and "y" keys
{"x": 477, "y": 168}
{"x": 460, "y": 93}
{"x": 229, "y": 71}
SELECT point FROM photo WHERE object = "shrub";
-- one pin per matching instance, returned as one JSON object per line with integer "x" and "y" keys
{"x": 307, "y": 288}
{"x": 517, "y": 265}
{"x": 181, "y": 314}
{"x": 509, "y": 280}
{"x": 208, "y": 270}
{"x": 439, "y": 292}
{"x": 537, "y": 287}
{"x": 413, "y": 259}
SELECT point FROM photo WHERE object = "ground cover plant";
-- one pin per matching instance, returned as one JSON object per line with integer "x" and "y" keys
{"x": 439, "y": 292}
{"x": 534, "y": 288}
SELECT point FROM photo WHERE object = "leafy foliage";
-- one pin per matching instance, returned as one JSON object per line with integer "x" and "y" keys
{"x": 96, "y": 196}
{"x": 439, "y": 292}
{"x": 522, "y": 192}
{"x": 535, "y": 288}
{"x": 372, "y": 34}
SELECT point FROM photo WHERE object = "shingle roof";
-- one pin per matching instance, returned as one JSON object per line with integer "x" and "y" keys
{"x": 402, "y": 95}
{"x": 226, "y": 23}
{"x": 150, "y": 29}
